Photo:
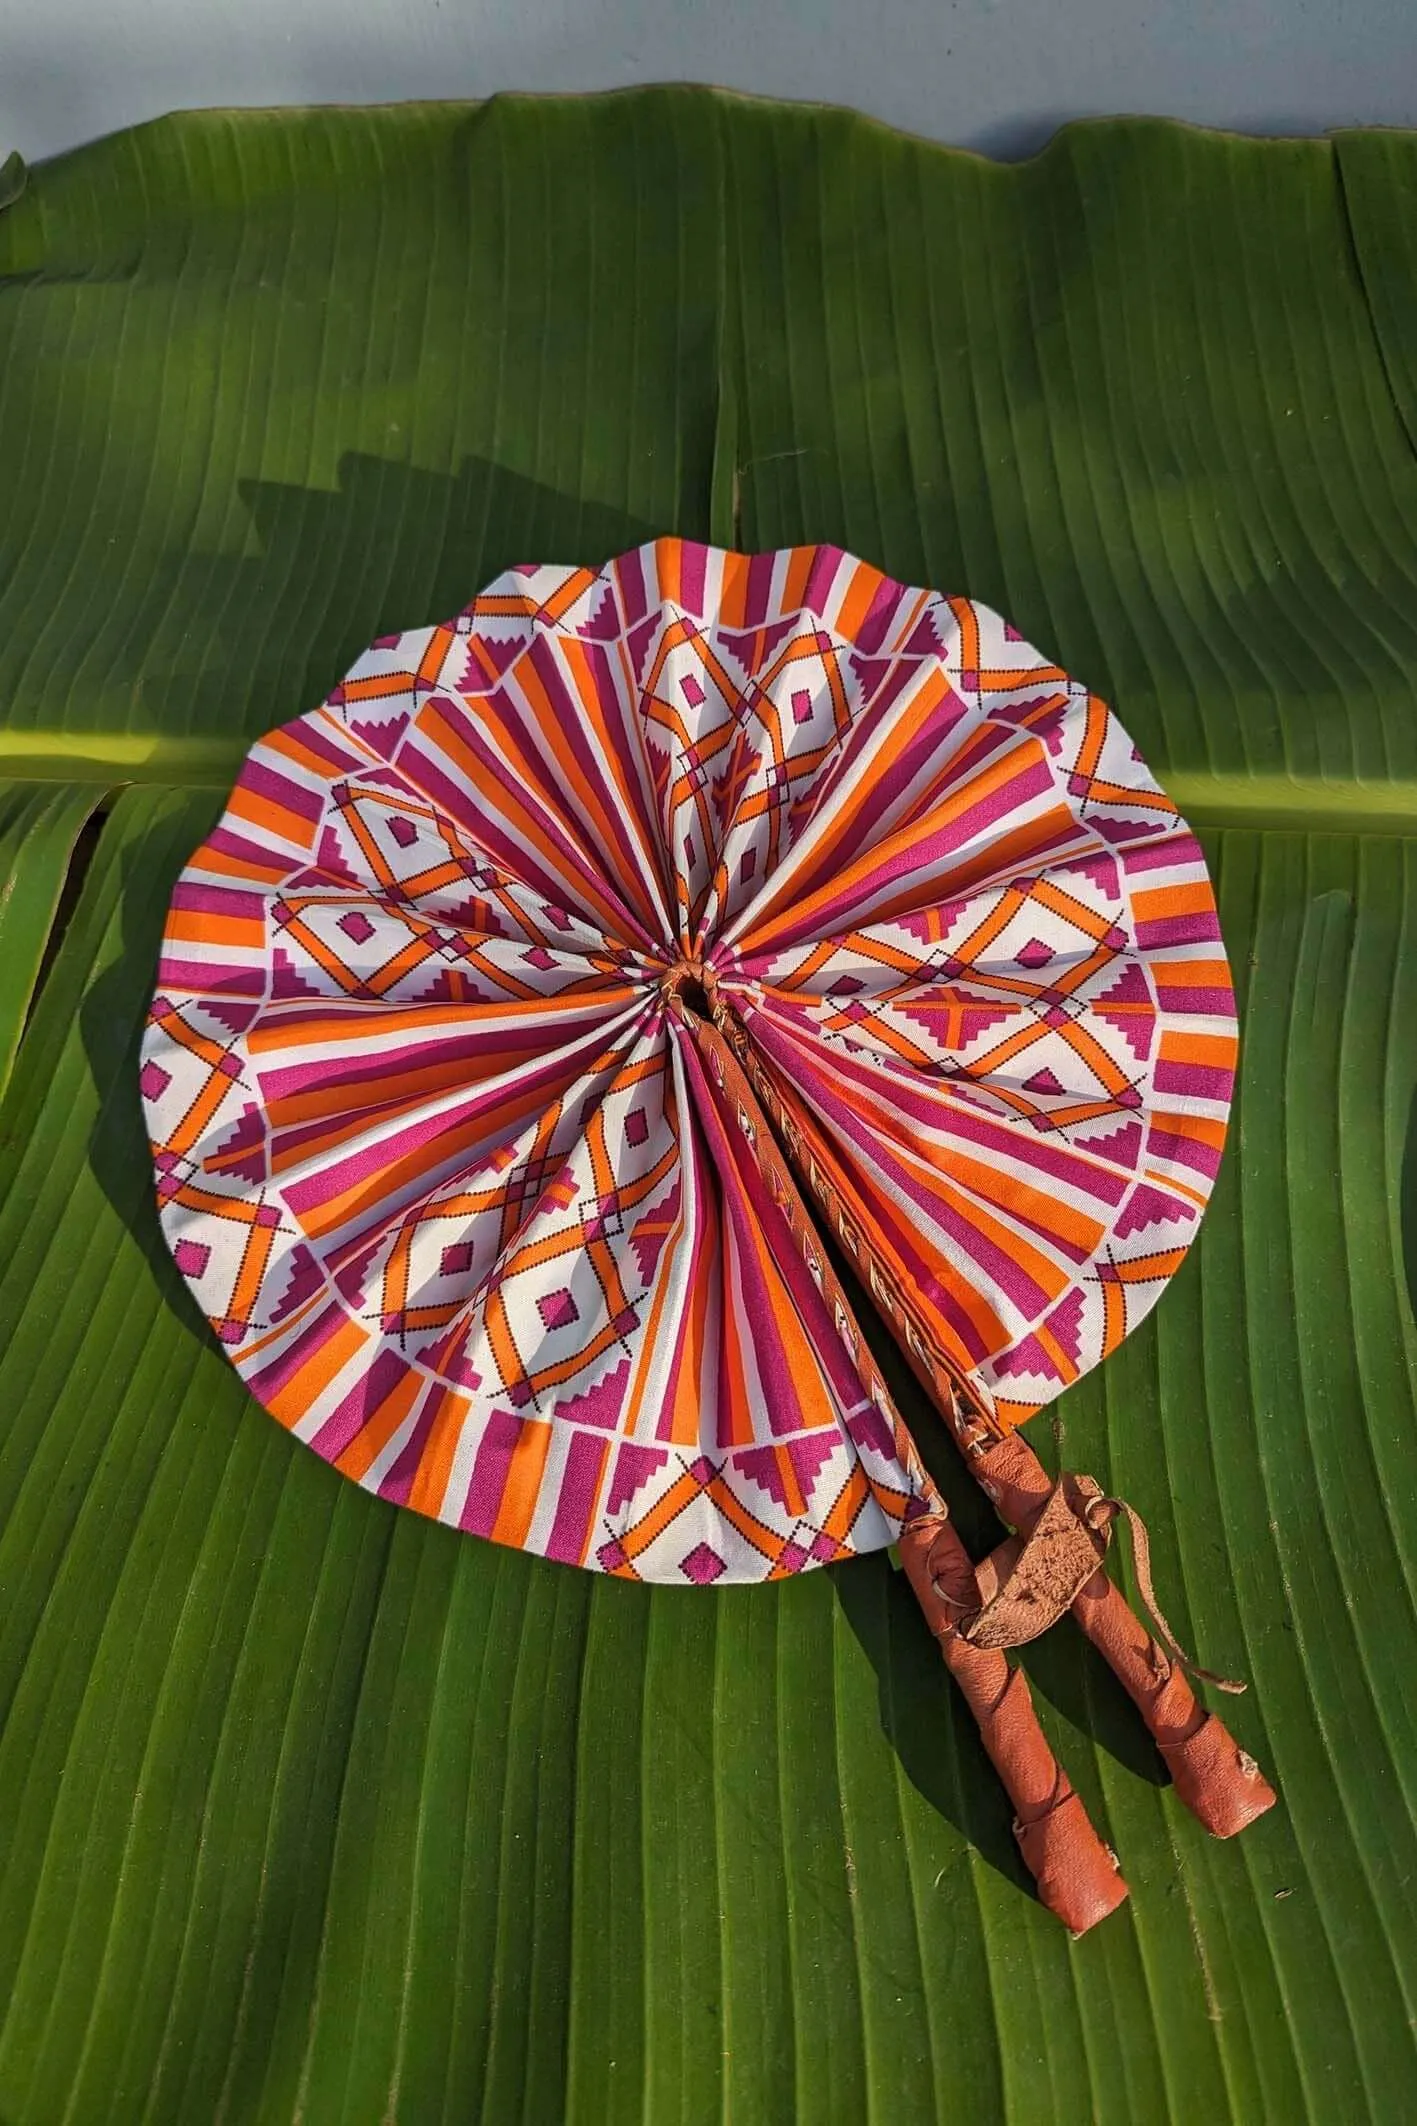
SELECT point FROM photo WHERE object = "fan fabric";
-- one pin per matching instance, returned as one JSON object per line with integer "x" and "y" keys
{"x": 442, "y": 1162}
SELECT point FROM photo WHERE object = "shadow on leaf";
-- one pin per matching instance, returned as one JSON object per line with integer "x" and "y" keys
{"x": 260, "y": 636}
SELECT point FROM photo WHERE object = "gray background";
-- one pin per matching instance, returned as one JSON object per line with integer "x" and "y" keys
{"x": 993, "y": 74}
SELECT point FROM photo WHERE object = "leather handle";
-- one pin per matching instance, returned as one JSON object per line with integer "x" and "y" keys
{"x": 1078, "y": 1877}
{"x": 1220, "y": 1783}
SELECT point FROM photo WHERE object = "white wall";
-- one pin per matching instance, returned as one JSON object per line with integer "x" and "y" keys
{"x": 992, "y": 74}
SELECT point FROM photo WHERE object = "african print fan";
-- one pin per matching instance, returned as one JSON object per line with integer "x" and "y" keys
{"x": 532, "y": 987}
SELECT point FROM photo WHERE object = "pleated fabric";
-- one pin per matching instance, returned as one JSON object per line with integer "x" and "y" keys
{"x": 440, "y": 1158}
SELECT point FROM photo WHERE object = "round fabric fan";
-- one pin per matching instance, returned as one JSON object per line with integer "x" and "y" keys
{"x": 533, "y": 985}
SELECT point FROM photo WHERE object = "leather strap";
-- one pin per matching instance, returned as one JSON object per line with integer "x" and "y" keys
{"x": 1104, "y": 1511}
{"x": 1045, "y": 1573}
{"x": 1026, "y": 1585}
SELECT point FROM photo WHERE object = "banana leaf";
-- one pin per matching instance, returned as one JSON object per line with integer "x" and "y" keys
{"x": 311, "y": 1810}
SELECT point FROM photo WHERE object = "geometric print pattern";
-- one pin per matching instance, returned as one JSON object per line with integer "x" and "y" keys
{"x": 443, "y": 1144}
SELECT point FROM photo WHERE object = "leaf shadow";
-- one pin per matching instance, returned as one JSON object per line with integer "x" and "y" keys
{"x": 271, "y": 631}
{"x": 111, "y": 1016}
{"x": 1407, "y": 1207}
{"x": 252, "y": 637}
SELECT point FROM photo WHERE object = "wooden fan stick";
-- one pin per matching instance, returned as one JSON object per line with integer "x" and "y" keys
{"x": 1077, "y": 1876}
{"x": 1219, "y": 1782}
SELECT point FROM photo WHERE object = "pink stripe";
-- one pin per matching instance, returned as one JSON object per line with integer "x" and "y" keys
{"x": 580, "y": 1486}
{"x": 938, "y": 1111}
{"x": 591, "y": 777}
{"x": 357, "y": 1066}
{"x": 743, "y": 1210}
{"x": 899, "y": 676}
{"x": 1185, "y": 1151}
{"x": 364, "y": 1400}
{"x": 1210, "y": 1003}
{"x": 325, "y": 745}
{"x": 218, "y": 900}
{"x": 1028, "y": 1296}
{"x": 225, "y": 843}
{"x": 1083, "y": 1175}
{"x": 927, "y": 1284}
{"x": 382, "y": 1158}
{"x": 578, "y": 864}
{"x": 208, "y": 980}
{"x": 281, "y": 1371}
{"x": 821, "y": 576}
{"x": 1194, "y": 1081}
{"x": 280, "y": 790}
{"x": 1201, "y": 929}
{"x": 1171, "y": 851}
{"x": 755, "y": 605}
{"x": 693, "y": 574}
{"x": 489, "y": 1472}
{"x": 1032, "y": 781}
{"x": 630, "y": 571}
{"x": 876, "y": 625}
{"x": 398, "y": 1483}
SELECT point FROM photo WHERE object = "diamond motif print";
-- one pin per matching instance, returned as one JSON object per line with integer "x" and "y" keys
{"x": 441, "y": 1135}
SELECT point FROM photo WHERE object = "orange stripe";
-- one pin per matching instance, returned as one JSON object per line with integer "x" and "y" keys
{"x": 668, "y": 564}
{"x": 379, "y": 687}
{"x": 735, "y": 1411}
{"x": 1203, "y": 1128}
{"x": 244, "y": 932}
{"x": 523, "y": 1483}
{"x": 430, "y": 1482}
{"x": 375, "y": 1433}
{"x": 1150, "y": 1269}
{"x": 430, "y": 664}
{"x": 1180, "y": 1188}
{"x": 792, "y": 1489}
{"x": 207, "y": 865}
{"x": 671, "y": 1502}
{"x": 1041, "y": 1208}
{"x": 1030, "y": 835}
{"x": 260, "y": 1239}
{"x": 865, "y": 583}
{"x": 968, "y": 623}
{"x": 1157, "y": 902}
{"x": 1191, "y": 974}
{"x": 763, "y": 1539}
{"x": 686, "y": 1404}
{"x": 272, "y": 818}
{"x": 568, "y": 593}
{"x": 1217, "y": 1050}
{"x": 799, "y": 568}
{"x": 733, "y": 595}
{"x": 322, "y": 1218}
{"x": 293, "y": 1401}
{"x": 328, "y": 1023}
{"x": 847, "y": 1508}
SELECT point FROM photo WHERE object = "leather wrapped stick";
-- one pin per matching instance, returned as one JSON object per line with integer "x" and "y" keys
{"x": 1055, "y": 1563}
{"x": 1076, "y": 1874}
{"x": 1078, "y": 1877}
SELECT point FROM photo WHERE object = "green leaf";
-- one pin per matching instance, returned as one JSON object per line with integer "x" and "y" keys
{"x": 1378, "y": 181}
{"x": 310, "y": 1809}
{"x": 14, "y": 176}
{"x": 38, "y": 829}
